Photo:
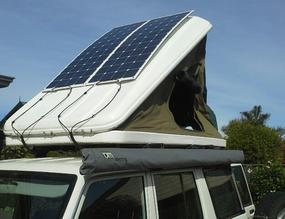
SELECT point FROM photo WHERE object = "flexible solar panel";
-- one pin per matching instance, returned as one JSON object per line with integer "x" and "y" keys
{"x": 119, "y": 54}
{"x": 80, "y": 69}
{"x": 127, "y": 60}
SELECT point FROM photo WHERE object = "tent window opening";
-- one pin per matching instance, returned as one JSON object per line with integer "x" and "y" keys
{"x": 182, "y": 99}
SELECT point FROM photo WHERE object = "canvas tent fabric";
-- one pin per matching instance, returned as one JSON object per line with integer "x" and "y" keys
{"x": 178, "y": 104}
{"x": 98, "y": 160}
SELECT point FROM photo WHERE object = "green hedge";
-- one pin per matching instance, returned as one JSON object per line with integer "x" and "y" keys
{"x": 259, "y": 143}
{"x": 15, "y": 152}
{"x": 265, "y": 178}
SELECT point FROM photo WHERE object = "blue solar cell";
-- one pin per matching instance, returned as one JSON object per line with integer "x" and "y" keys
{"x": 80, "y": 69}
{"x": 126, "y": 60}
{"x": 133, "y": 53}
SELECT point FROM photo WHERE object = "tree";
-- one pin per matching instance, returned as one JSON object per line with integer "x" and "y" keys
{"x": 281, "y": 132}
{"x": 259, "y": 143}
{"x": 255, "y": 116}
{"x": 262, "y": 148}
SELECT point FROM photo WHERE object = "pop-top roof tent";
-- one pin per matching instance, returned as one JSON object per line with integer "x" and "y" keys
{"x": 142, "y": 83}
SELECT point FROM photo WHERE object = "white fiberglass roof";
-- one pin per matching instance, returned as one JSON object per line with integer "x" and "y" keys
{"x": 92, "y": 108}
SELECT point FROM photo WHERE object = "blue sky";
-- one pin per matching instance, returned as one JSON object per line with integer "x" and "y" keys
{"x": 245, "y": 51}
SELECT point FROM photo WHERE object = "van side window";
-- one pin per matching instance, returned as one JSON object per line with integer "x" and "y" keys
{"x": 177, "y": 196}
{"x": 115, "y": 198}
{"x": 241, "y": 185}
{"x": 223, "y": 192}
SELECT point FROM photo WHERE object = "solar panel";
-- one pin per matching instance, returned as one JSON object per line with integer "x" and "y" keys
{"x": 130, "y": 57}
{"x": 80, "y": 69}
{"x": 107, "y": 60}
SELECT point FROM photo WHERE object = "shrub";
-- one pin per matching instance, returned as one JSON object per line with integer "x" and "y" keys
{"x": 259, "y": 143}
{"x": 266, "y": 178}
{"x": 15, "y": 152}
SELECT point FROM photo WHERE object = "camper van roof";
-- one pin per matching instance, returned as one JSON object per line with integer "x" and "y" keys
{"x": 105, "y": 86}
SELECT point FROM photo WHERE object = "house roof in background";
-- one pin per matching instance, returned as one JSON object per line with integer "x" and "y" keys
{"x": 12, "y": 111}
{"x": 5, "y": 81}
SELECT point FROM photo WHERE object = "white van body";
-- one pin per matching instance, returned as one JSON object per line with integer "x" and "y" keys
{"x": 171, "y": 169}
{"x": 82, "y": 183}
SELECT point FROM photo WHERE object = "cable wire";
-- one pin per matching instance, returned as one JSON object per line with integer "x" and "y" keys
{"x": 95, "y": 114}
{"x": 60, "y": 114}
{"x": 12, "y": 123}
{"x": 35, "y": 122}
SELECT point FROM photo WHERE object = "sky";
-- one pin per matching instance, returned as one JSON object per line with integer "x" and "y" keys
{"x": 245, "y": 59}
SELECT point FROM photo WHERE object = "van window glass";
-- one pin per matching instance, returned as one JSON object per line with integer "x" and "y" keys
{"x": 223, "y": 192}
{"x": 115, "y": 199}
{"x": 193, "y": 206}
{"x": 177, "y": 196}
{"x": 241, "y": 185}
{"x": 32, "y": 195}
